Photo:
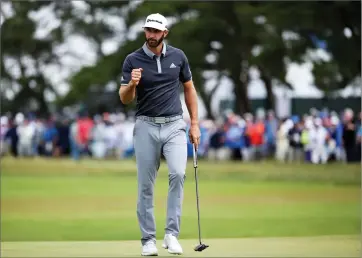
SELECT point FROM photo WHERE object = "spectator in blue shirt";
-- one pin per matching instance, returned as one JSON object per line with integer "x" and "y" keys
{"x": 233, "y": 138}
{"x": 49, "y": 139}
{"x": 204, "y": 138}
{"x": 11, "y": 137}
{"x": 271, "y": 127}
{"x": 216, "y": 143}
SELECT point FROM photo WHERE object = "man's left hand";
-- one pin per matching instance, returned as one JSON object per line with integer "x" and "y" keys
{"x": 194, "y": 135}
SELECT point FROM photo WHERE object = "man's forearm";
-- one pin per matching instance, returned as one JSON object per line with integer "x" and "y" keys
{"x": 191, "y": 104}
{"x": 127, "y": 93}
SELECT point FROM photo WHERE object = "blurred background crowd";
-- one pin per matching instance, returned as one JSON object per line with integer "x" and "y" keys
{"x": 318, "y": 137}
{"x": 258, "y": 67}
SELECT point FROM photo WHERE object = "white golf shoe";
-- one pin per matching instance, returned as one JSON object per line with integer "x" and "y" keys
{"x": 149, "y": 249}
{"x": 172, "y": 245}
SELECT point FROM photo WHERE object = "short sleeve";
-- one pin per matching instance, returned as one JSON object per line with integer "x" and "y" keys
{"x": 185, "y": 72}
{"x": 126, "y": 72}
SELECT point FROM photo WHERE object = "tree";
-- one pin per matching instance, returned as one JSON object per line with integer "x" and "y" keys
{"x": 92, "y": 24}
{"x": 230, "y": 32}
{"x": 334, "y": 26}
{"x": 24, "y": 58}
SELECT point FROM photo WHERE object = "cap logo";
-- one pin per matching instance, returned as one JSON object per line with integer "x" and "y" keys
{"x": 151, "y": 20}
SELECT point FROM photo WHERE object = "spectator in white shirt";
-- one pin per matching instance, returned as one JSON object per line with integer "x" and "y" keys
{"x": 98, "y": 145}
{"x": 4, "y": 123}
{"x": 127, "y": 145}
{"x": 26, "y": 134}
{"x": 319, "y": 136}
{"x": 111, "y": 137}
{"x": 118, "y": 127}
{"x": 282, "y": 142}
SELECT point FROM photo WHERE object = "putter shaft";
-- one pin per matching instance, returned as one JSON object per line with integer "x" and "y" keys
{"x": 197, "y": 192}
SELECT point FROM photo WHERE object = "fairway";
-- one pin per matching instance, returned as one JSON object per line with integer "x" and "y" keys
{"x": 331, "y": 246}
{"x": 58, "y": 208}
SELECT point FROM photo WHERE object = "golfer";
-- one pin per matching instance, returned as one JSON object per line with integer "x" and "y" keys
{"x": 154, "y": 73}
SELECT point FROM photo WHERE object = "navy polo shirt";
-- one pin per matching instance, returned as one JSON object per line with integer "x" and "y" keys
{"x": 158, "y": 93}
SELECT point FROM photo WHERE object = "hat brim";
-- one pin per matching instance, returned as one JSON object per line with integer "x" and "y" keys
{"x": 155, "y": 25}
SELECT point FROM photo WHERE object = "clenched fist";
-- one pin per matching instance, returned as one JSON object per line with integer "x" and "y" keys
{"x": 136, "y": 76}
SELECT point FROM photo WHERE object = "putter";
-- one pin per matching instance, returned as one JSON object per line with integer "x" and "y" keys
{"x": 201, "y": 246}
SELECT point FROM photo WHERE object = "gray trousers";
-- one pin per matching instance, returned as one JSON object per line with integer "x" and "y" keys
{"x": 150, "y": 140}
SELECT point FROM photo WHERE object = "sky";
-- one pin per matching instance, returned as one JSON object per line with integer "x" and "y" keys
{"x": 77, "y": 52}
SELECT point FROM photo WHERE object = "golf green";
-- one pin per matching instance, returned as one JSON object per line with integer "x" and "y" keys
{"x": 321, "y": 246}
{"x": 60, "y": 200}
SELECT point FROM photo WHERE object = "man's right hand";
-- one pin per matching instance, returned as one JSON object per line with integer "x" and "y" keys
{"x": 136, "y": 76}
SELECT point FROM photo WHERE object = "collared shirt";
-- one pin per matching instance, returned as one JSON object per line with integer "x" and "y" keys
{"x": 158, "y": 93}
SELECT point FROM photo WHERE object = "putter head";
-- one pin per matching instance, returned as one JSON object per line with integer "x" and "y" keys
{"x": 201, "y": 247}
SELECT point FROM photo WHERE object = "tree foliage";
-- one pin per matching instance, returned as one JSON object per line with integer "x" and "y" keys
{"x": 28, "y": 56}
{"x": 228, "y": 38}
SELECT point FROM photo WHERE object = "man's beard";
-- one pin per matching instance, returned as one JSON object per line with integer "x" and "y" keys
{"x": 154, "y": 43}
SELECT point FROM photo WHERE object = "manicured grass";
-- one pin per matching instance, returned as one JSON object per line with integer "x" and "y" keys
{"x": 45, "y": 200}
{"x": 318, "y": 246}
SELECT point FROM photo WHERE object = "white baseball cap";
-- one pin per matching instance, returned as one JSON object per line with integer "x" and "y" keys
{"x": 156, "y": 21}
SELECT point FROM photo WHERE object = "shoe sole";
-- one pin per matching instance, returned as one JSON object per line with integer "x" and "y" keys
{"x": 154, "y": 254}
{"x": 170, "y": 252}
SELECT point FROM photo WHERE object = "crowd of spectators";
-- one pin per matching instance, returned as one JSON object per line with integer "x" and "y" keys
{"x": 318, "y": 137}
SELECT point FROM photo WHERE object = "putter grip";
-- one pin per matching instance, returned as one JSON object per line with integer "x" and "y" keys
{"x": 194, "y": 156}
